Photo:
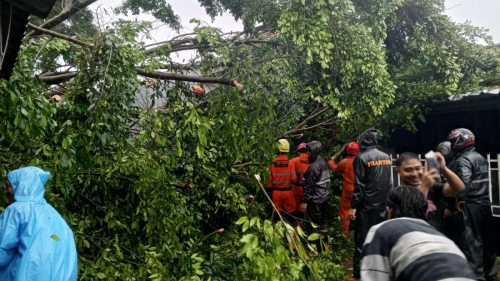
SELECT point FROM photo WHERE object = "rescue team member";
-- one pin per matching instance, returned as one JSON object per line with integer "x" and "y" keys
{"x": 372, "y": 170}
{"x": 407, "y": 248}
{"x": 476, "y": 237}
{"x": 345, "y": 167}
{"x": 281, "y": 178}
{"x": 316, "y": 192}
{"x": 412, "y": 173}
{"x": 36, "y": 244}
{"x": 301, "y": 164}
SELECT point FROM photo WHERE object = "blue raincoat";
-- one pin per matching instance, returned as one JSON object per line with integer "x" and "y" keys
{"x": 36, "y": 244}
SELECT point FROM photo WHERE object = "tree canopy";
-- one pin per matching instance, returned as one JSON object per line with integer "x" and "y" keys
{"x": 152, "y": 176}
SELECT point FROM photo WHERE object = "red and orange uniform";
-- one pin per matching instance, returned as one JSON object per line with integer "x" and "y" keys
{"x": 281, "y": 179}
{"x": 301, "y": 163}
{"x": 346, "y": 168}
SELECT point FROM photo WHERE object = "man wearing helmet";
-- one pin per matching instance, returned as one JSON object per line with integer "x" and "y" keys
{"x": 476, "y": 235}
{"x": 281, "y": 178}
{"x": 345, "y": 167}
{"x": 301, "y": 164}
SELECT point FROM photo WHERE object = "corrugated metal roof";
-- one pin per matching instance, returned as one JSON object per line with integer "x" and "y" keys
{"x": 474, "y": 94}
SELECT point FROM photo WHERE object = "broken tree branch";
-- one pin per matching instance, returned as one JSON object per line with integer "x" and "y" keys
{"x": 59, "y": 35}
{"x": 246, "y": 164}
{"x": 58, "y": 78}
{"x": 303, "y": 123}
{"x": 188, "y": 78}
{"x": 64, "y": 15}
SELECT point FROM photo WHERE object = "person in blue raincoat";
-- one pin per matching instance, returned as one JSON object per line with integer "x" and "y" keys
{"x": 36, "y": 244}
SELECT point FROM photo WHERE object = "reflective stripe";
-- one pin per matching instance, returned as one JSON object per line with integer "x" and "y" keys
{"x": 322, "y": 182}
{"x": 282, "y": 182}
{"x": 281, "y": 174}
{"x": 478, "y": 181}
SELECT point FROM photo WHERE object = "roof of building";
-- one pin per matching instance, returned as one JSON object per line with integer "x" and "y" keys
{"x": 474, "y": 94}
{"x": 14, "y": 16}
{"x": 13, "y": 23}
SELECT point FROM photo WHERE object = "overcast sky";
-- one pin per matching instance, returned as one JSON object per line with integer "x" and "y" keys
{"x": 482, "y": 13}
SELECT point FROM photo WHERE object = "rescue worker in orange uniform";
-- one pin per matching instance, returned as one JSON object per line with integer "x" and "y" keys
{"x": 280, "y": 182}
{"x": 345, "y": 167}
{"x": 301, "y": 163}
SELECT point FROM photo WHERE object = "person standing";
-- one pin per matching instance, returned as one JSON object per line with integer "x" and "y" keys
{"x": 412, "y": 173}
{"x": 407, "y": 248}
{"x": 281, "y": 178}
{"x": 301, "y": 164}
{"x": 345, "y": 167}
{"x": 316, "y": 191}
{"x": 36, "y": 244}
{"x": 372, "y": 170}
{"x": 476, "y": 235}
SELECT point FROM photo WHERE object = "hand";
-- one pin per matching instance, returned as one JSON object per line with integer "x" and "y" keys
{"x": 441, "y": 161}
{"x": 458, "y": 204}
{"x": 339, "y": 152}
{"x": 303, "y": 207}
{"x": 352, "y": 214}
{"x": 428, "y": 180}
{"x": 447, "y": 213}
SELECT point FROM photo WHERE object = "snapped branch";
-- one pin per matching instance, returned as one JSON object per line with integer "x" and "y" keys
{"x": 64, "y": 15}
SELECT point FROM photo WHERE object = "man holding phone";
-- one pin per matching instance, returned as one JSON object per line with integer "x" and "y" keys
{"x": 413, "y": 173}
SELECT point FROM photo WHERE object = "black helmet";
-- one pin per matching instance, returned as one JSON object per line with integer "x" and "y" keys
{"x": 445, "y": 149}
{"x": 460, "y": 139}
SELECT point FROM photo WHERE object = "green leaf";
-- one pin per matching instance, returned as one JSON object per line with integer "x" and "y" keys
{"x": 199, "y": 272}
{"x": 314, "y": 236}
{"x": 245, "y": 226}
{"x": 241, "y": 220}
{"x": 65, "y": 143}
{"x": 55, "y": 237}
{"x": 303, "y": 2}
{"x": 301, "y": 232}
{"x": 18, "y": 119}
{"x": 24, "y": 112}
{"x": 152, "y": 276}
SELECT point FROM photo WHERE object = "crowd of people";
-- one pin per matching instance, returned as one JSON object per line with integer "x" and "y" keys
{"x": 437, "y": 225}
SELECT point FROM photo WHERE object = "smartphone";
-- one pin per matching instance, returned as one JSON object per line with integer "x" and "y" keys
{"x": 432, "y": 161}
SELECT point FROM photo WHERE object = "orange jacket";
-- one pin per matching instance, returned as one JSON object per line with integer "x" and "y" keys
{"x": 281, "y": 173}
{"x": 345, "y": 167}
{"x": 301, "y": 163}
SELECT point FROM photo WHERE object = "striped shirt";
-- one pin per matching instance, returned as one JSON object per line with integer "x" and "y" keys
{"x": 411, "y": 250}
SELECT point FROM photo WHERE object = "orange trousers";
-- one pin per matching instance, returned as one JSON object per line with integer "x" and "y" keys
{"x": 284, "y": 200}
{"x": 345, "y": 206}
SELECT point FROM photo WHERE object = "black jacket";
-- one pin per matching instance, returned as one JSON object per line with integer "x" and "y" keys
{"x": 317, "y": 177}
{"x": 372, "y": 169}
{"x": 472, "y": 169}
